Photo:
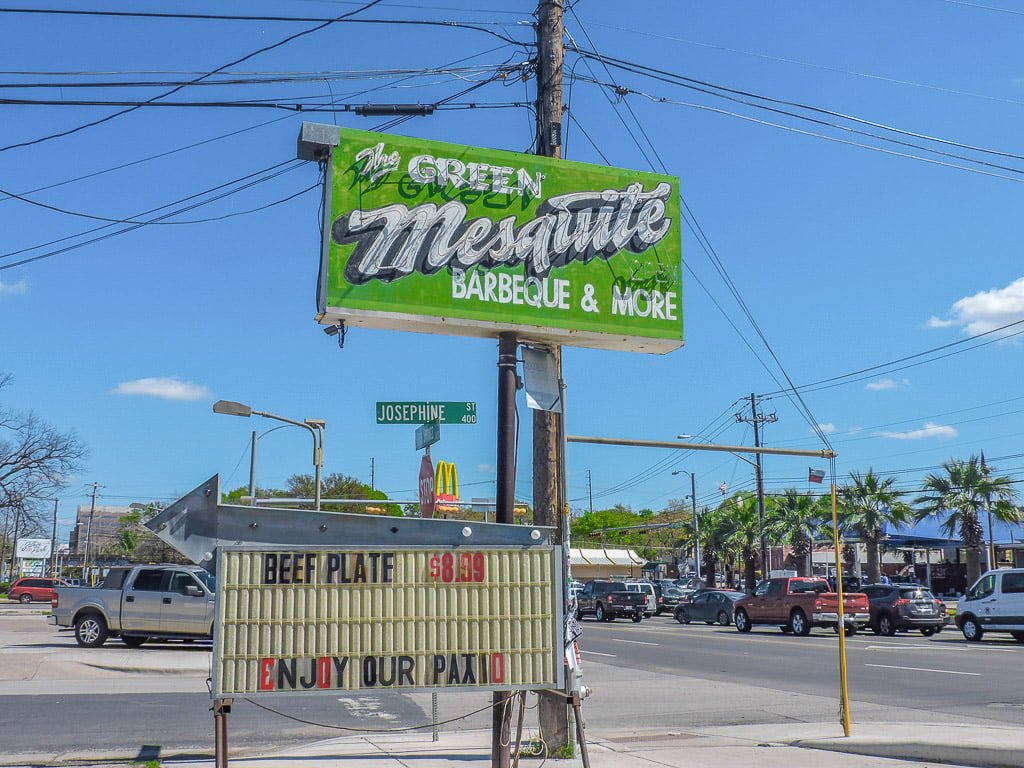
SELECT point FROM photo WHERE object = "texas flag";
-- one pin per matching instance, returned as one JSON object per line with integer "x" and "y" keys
{"x": 815, "y": 475}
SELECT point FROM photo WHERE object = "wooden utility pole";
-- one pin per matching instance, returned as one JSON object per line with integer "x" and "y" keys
{"x": 548, "y": 441}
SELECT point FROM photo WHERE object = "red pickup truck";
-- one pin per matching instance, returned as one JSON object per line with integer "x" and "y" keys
{"x": 797, "y": 604}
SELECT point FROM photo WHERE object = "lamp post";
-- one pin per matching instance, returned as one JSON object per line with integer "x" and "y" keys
{"x": 315, "y": 427}
{"x": 696, "y": 528}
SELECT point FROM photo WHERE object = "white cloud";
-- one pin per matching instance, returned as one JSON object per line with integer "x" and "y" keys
{"x": 930, "y": 429}
{"x": 882, "y": 384}
{"x": 985, "y": 310}
{"x": 828, "y": 428}
{"x": 167, "y": 388}
{"x": 19, "y": 287}
{"x": 487, "y": 469}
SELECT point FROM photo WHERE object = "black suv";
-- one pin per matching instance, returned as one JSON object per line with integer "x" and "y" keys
{"x": 904, "y": 606}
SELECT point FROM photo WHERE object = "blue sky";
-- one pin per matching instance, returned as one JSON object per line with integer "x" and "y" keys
{"x": 846, "y": 257}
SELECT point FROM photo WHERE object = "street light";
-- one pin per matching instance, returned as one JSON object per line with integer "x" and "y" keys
{"x": 683, "y": 437}
{"x": 315, "y": 427}
{"x": 696, "y": 530}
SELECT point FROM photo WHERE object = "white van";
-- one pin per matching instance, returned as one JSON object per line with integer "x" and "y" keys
{"x": 994, "y": 603}
{"x": 648, "y": 589}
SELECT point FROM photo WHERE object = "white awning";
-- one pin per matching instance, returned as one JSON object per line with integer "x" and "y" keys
{"x": 626, "y": 557}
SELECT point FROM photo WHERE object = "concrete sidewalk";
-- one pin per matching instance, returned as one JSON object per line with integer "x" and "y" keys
{"x": 892, "y": 745}
{"x": 775, "y": 746}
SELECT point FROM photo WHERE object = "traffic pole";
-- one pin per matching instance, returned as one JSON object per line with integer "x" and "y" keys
{"x": 844, "y": 693}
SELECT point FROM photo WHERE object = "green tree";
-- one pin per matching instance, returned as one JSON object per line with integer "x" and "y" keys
{"x": 793, "y": 519}
{"x": 869, "y": 504}
{"x": 960, "y": 495}
{"x": 332, "y": 486}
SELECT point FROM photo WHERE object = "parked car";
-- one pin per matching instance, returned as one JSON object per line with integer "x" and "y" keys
{"x": 669, "y": 596}
{"x": 797, "y": 604}
{"x": 30, "y": 588}
{"x": 607, "y": 600}
{"x": 709, "y": 606}
{"x": 902, "y": 606}
{"x": 994, "y": 603}
{"x": 648, "y": 591}
{"x": 139, "y": 603}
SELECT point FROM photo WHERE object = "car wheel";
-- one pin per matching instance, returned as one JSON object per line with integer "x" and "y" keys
{"x": 599, "y": 613}
{"x": 25, "y": 599}
{"x": 637, "y": 617}
{"x": 928, "y": 631}
{"x": 91, "y": 630}
{"x": 886, "y": 626}
{"x": 798, "y": 621}
{"x": 723, "y": 618}
{"x": 742, "y": 621}
{"x": 971, "y": 629}
{"x": 682, "y": 616}
{"x": 133, "y": 641}
{"x": 1018, "y": 636}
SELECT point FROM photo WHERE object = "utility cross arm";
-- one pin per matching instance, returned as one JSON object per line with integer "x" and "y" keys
{"x": 820, "y": 454}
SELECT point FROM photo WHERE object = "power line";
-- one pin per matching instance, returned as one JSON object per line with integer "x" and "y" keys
{"x": 478, "y": 26}
{"x": 703, "y": 86}
{"x": 175, "y": 212}
{"x": 234, "y": 62}
{"x": 838, "y": 380}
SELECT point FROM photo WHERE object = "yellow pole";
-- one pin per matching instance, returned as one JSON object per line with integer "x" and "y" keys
{"x": 844, "y": 694}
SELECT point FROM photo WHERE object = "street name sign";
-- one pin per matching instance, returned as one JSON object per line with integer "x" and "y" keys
{"x": 445, "y": 238}
{"x": 421, "y": 412}
{"x": 322, "y": 620}
{"x": 427, "y": 435}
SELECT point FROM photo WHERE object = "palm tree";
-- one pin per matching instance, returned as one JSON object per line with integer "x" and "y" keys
{"x": 713, "y": 536}
{"x": 868, "y": 505}
{"x": 744, "y": 532}
{"x": 793, "y": 520}
{"x": 962, "y": 492}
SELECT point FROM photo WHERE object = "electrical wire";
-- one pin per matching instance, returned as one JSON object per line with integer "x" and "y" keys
{"x": 834, "y": 381}
{"x": 234, "y": 62}
{"x": 709, "y": 250}
{"x": 477, "y": 26}
{"x": 709, "y": 88}
{"x": 139, "y": 225}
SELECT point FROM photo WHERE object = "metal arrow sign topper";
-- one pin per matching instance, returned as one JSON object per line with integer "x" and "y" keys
{"x": 197, "y": 524}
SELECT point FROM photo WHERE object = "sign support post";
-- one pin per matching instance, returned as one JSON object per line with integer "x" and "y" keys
{"x": 221, "y": 710}
{"x": 504, "y": 506}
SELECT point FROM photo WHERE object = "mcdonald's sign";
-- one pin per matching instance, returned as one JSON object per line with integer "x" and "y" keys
{"x": 446, "y": 483}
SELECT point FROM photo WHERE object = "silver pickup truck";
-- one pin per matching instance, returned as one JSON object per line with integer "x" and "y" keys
{"x": 137, "y": 604}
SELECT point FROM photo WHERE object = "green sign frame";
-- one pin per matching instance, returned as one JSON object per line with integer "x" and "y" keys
{"x": 444, "y": 238}
{"x": 425, "y": 411}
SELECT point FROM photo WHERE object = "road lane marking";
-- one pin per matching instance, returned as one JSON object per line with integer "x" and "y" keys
{"x": 634, "y": 642}
{"x": 918, "y": 647}
{"x": 924, "y": 669}
{"x": 598, "y": 653}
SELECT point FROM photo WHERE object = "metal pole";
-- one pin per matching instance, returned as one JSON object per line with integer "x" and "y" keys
{"x": 590, "y": 491}
{"x": 844, "y": 694}
{"x": 696, "y": 530}
{"x": 373, "y": 487}
{"x": 88, "y": 535}
{"x": 504, "y": 507}
{"x": 736, "y": 449}
{"x": 221, "y": 710}
{"x": 252, "y": 467}
{"x": 434, "y": 735}
{"x": 53, "y": 541}
{"x": 318, "y": 459}
{"x": 765, "y": 565}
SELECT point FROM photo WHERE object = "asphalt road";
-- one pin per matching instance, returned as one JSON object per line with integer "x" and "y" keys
{"x": 657, "y": 676}
{"x": 941, "y": 674}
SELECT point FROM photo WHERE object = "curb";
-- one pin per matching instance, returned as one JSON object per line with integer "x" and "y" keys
{"x": 980, "y": 756}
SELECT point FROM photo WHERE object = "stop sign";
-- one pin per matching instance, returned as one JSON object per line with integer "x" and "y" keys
{"x": 427, "y": 491}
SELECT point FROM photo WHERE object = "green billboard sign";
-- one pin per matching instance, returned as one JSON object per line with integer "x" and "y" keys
{"x": 444, "y": 238}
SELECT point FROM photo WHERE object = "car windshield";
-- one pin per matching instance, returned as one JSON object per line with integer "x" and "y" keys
{"x": 672, "y": 592}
